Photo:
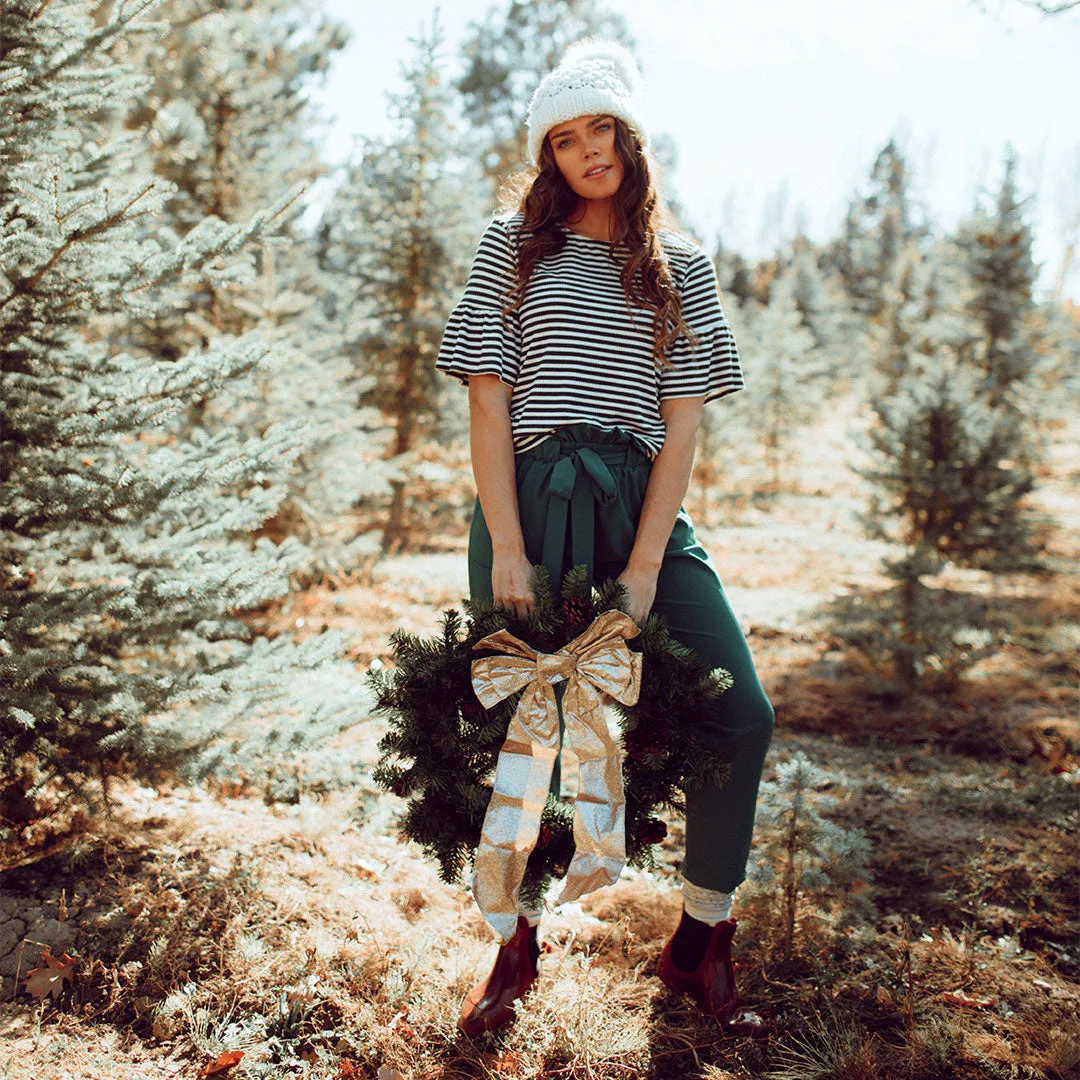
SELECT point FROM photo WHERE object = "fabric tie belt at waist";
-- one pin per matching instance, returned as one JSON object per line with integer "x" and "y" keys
{"x": 577, "y": 484}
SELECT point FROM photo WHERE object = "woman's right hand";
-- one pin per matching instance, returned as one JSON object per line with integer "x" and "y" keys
{"x": 510, "y": 583}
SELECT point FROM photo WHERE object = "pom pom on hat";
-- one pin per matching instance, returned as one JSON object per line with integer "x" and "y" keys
{"x": 595, "y": 75}
{"x": 613, "y": 52}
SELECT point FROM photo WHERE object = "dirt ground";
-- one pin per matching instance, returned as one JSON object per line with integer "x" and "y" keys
{"x": 312, "y": 941}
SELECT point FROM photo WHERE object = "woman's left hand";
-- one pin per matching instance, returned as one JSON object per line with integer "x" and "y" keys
{"x": 641, "y": 589}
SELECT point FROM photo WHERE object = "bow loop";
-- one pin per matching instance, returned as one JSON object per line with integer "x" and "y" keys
{"x": 504, "y": 641}
{"x": 606, "y": 627}
{"x": 615, "y": 672}
{"x": 605, "y": 661}
{"x": 495, "y": 678}
{"x": 563, "y": 478}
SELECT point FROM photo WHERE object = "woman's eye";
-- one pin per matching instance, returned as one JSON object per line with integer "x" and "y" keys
{"x": 562, "y": 144}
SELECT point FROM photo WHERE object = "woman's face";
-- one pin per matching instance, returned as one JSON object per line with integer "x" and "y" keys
{"x": 584, "y": 151}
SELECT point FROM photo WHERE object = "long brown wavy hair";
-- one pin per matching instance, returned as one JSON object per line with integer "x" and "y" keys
{"x": 547, "y": 199}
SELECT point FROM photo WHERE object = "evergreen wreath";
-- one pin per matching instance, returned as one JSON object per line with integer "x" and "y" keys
{"x": 441, "y": 747}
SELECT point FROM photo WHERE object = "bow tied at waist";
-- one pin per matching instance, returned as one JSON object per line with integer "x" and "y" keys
{"x": 576, "y": 483}
{"x": 597, "y": 666}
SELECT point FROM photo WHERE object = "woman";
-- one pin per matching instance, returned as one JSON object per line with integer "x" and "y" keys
{"x": 573, "y": 337}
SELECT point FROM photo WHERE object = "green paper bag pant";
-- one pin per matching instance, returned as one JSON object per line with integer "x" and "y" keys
{"x": 580, "y": 494}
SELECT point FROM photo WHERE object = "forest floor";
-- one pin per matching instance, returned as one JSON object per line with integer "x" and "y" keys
{"x": 306, "y": 939}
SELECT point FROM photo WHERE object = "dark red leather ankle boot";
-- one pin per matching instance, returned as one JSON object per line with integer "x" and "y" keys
{"x": 489, "y": 1005}
{"x": 712, "y": 984}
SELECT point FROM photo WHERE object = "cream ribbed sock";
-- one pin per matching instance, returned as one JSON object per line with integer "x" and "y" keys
{"x": 706, "y": 905}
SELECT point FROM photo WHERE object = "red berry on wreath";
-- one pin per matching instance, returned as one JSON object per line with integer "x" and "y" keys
{"x": 651, "y": 831}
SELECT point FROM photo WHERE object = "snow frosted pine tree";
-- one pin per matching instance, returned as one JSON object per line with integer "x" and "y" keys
{"x": 788, "y": 386}
{"x": 947, "y": 483}
{"x": 124, "y": 562}
{"x": 230, "y": 121}
{"x": 397, "y": 234}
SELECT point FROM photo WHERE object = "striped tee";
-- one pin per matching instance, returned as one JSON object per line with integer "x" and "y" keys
{"x": 576, "y": 350}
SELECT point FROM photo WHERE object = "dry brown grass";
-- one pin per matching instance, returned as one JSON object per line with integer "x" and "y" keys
{"x": 304, "y": 933}
{"x": 312, "y": 939}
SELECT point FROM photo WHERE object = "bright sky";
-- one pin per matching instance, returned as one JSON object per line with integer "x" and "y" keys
{"x": 778, "y": 108}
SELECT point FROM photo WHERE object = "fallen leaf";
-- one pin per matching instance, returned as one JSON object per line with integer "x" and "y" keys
{"x": 958, "y": 997}
{"x": 509, "y": 1064}
{"x": 884, "y": 998}
{"x": 226, "y": 1060}
{"x": 50, "y": 978}
{"x": 386, "y": 1073}
{"x": 400, "y": 1025}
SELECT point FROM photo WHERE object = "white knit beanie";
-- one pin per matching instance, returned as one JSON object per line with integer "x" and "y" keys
{"x": 595, "y": 75}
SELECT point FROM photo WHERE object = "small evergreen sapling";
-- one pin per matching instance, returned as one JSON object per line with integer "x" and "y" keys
{"x": 995, "y": 249}
{"x": 804, "y": 865}
{"x": 949, "y": 483}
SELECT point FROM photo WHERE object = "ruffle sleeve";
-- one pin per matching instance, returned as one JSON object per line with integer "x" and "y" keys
{"x": 477, "y": 340}
{"x": 712, "y": 368}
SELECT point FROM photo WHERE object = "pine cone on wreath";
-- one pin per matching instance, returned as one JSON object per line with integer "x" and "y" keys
{"x": 577, "y": 614}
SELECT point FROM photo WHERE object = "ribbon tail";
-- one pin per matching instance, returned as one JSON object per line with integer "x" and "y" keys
{"x": 600, "y": 807}
{"x": 582, "y": 529}
{"x": 519, "y": 794}
{"x": 560, "y": 488}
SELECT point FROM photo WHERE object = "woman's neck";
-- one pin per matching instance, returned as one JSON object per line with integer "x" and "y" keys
{"x": 593, "y": 220}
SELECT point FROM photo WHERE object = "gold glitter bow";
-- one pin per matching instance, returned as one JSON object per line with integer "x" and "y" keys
{"x": 597, "y": 666}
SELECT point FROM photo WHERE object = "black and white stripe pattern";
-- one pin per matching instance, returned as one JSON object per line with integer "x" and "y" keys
{"x": 575, "y": 350}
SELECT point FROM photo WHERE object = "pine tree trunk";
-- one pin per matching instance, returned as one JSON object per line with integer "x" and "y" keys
{"x": 705, "y": 473}
{"x": 909, "y": 630}
{"x": 772, "y": 457}
{"x": 395, "y": 532}
{"x": 790, "y": 884}
{"x": 773, "y": 438}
